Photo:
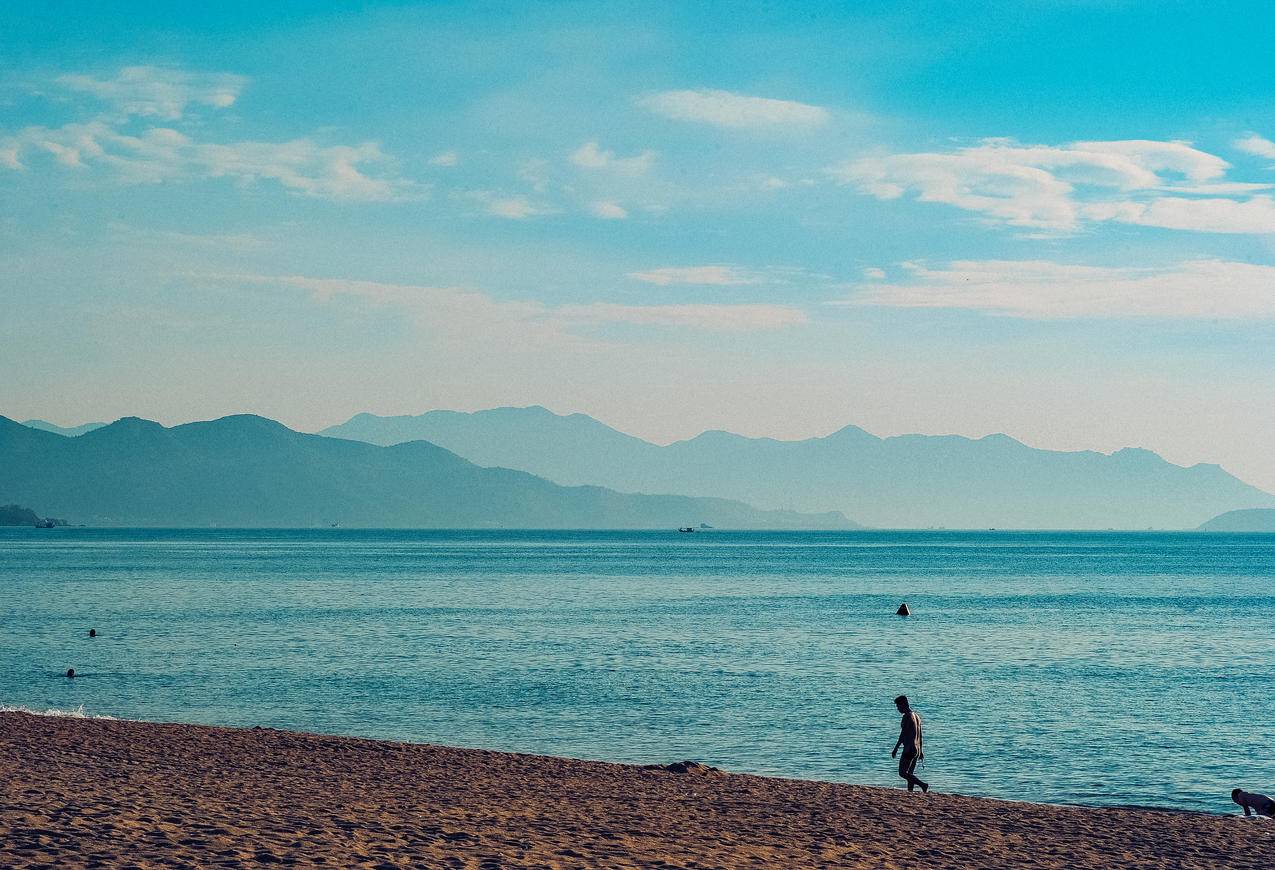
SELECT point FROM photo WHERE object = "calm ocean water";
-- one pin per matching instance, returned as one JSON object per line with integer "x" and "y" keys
{"x": 1064, "y": 667}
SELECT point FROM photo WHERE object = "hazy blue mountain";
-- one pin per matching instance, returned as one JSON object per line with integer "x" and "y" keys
{"x": 909, "y": 481}
{"x": 68, "y": 431}
{"x": 251, "y": 472}
{"x": 16, "y": 515}
{"x": 1251, "y": 520}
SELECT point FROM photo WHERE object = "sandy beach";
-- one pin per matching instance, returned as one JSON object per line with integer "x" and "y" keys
{"x": 107, "y": 793}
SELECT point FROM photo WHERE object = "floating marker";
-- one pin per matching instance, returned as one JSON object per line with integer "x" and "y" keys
{"x": 903, "y": 610}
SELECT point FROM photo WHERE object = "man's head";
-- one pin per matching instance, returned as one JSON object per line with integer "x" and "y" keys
{"x": 902, "y": 703}
{"x": 1236, "y": 795}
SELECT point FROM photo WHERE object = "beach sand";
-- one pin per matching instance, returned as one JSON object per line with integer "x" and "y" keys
{"x": 105, "y": 793}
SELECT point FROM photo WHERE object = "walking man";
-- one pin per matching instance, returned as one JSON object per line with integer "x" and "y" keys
{"x": 911, "y": 742}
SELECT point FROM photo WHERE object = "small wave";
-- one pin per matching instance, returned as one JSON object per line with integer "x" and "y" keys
{"x": 78, "y": 713}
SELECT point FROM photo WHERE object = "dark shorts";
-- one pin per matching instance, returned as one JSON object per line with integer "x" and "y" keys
{"x": 907, "y": 763}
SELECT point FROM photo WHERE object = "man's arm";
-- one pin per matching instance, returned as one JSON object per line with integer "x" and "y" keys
{"x": 920, "y": 741}
{"x": 897, "y": 744}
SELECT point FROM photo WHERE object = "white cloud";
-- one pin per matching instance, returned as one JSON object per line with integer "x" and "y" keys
{"x": 591, "y": 156}
{"x": 446, "y": 158}
{"x": 874, "y": 273}
{"x": 159, "y": 92}
{"x": 510, "y": 207}
{"x": 113, "y": 144}
{"x": 1040, "y": 289}
{"x": 302, "y": 166}
{"x": 1256, "y": 145}
{"x": 1059, "y": 188}
{"x": 715, "y": 274}
{"x": 535, "y": 172}
{"x": 737, "y": 111}
{"x": 1255, "y": 215}
{"x": 607, "y": 210}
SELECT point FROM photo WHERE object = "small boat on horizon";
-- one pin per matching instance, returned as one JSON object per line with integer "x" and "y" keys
{"x": 686, "y": 528}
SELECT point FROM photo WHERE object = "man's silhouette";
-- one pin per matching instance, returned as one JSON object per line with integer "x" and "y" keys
{"x": 1258, "y": 803}
{"x": 911, "y": 741}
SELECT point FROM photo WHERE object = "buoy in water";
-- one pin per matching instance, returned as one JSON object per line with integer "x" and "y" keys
{"x": 903, "y": 610}
{"x": 92, "y": 632}
{"x": 70, "y": 673}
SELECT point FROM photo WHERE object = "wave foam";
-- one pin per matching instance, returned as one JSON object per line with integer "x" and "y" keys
{"x": 78, "y": 713}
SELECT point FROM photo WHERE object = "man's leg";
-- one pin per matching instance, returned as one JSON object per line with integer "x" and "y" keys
{"x": 907, "y": 768}
{"x": 907, "y": 763}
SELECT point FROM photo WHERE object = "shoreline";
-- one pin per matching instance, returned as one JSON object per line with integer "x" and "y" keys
{"x": 80, "y": 713}
{"x": 107, "y": 792}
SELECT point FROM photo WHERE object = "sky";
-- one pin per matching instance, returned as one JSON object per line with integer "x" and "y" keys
{"x": 1054, "y": 220}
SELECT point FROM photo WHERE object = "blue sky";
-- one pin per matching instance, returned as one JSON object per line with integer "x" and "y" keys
{"x": 1051, "y": 219}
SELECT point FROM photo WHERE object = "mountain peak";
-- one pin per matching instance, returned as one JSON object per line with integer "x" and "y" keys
{"x": 130, "y": 425}
{"x": 851, "y": 432}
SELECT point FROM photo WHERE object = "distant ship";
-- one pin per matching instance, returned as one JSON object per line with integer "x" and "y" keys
{"x": 686, "y": 528}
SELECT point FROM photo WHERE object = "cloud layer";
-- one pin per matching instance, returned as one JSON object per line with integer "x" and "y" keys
{"x": 1040, "y": 289}
{"x": 1060, "y": 188}
{"x": 591, "y": 155}
{"x": 159, "y": 92}
{"x": 124, "y": 145}
{"x": 715, "y": 274}
{"x": 731, "y": 110}
{"x": 479, "y": 316}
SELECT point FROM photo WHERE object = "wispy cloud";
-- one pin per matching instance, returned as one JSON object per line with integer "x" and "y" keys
{"x": 1041, "y": 289}
{"x": 1060, "y": 188}
{"x": 716, "y": 318}
{"x": 1255, "y": 215}
{"x": 1257, "y": 145}
{"x": 515, "y": 208}
{"x": 446, "y": 158}
{"x": 732, "y": 110}
{"x": 462, "y": 311}
{"x": 159, "y": 92}
{"x": 302, "y": 166}
{"x": 239, "y": 242}
{"x": 607, "y": 210}
{"x": 113, "y": 144}
{"x": 590, "y": 155}
{"x": 723, "y": 275}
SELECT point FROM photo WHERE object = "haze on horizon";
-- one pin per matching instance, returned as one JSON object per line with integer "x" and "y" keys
{"x": 773, "y": 221}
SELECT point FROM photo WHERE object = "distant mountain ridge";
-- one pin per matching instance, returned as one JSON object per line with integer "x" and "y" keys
{"x": 17, "y": 515}
{"x": 68, "y": 431}
{"x": 248, "y": 471}
{"x": 1250, "y": 520}
{"x": 907, "y": 481}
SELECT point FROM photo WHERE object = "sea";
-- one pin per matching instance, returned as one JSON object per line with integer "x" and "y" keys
{"x": 1104, "y": 668}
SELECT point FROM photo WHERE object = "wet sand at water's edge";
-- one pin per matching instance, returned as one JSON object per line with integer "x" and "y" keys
{"x": 106, "y": 793}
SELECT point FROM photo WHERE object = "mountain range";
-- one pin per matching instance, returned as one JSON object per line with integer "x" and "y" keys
{"x": 1252, "y": 520}
{"x": 68, "y": 431}
{"x": 247, "y": 471}
{"x": 908, "y": 481}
